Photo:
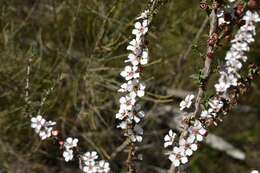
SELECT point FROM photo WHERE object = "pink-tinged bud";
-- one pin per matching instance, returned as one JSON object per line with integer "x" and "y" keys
{"x": 61, "y": 142}
{"x": 141, "y": 69}
{"x": 211, "y": 42}
{"x": 239, "y": 10}
{"x": 206, "y": 134}
{"x": 55, "y": 133}
{"x": 253, "y": 4}
{"x": 213, "y": 39}
{"x": 210, "y": 55}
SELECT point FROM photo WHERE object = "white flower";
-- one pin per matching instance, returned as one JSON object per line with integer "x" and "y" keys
{"x": 216, "y": 104}
{"x": 222, "y": 86}
{"x": 128, "y": 116}
{"x": 37, "y": 123}
{"x": 126, "y": 87}
{"x": 68, "y": 145}
{"x": 127, "y": 102}
{"x": 141, "y": 28}
{"x": 208, "y": 113}
{"x": 225, "y": 82}
{"x": 123, "y": 113}
{"x": 42, "y": 127}
{"x": 221, "y": 18}
{"x": 144, "y": 58}
{"x": 103, "y": 167}
{"x": 140, "y": 90}
{"x": 130, "y": 72}
{"x": 189, "y": 145}
{"x": 134, "y": 87}
{"x": 122, "y": 125}
{"x": 251, "y": 16}
{"x": 143, "y": 15}
{"x": 71, "y": 143}
{"x": 254, "y": 171}
{"x": 90, "y": 157}
{"x": 136, "y": 134}
{"x": 197, "y": 131}
{"x": 140, "y": 58}
{"x": 135, "y": 46}
{"x": 88, "y": 163}
{"x": 240, "y": 46}
{"x": 178, "y": 156}
{"x": 169, "y": 138}
{"x": 68, "y": 155}
{"x": 186, "y": 103}
{"x": 139, "y": 115}
{"x": 236, "y": 64}
{"x": 134, "y": 59}
{"x": 45, "y": 133}
{"x": 90, "y": 168}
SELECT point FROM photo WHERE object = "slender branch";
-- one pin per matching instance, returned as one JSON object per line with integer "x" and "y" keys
{"x": 208, "y": 61}
{"x": 205, "y": 75}
{"x": 131, "y": 158}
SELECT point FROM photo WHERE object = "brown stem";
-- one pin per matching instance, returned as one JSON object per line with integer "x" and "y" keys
{"x": 208, "y": 61}
{"x": 173, "y": 169}
{"x": 205, "y": 75}
{"x": 131, "y": 158}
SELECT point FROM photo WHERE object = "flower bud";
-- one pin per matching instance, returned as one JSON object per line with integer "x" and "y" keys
{"x": 210, "y": 55}
{"x": 55, "y": 133}
{"x": 239, "y": 10}
{"x": 253, "y": 4}
{"x": 61, "y": 142}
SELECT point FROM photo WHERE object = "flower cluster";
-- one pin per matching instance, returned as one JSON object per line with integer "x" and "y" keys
{"x": 229, "y": 77}
{"x": 240, "y": 45}
{"x": 186, "y": 145}
{"x": 130, "y": 113}
{"x": 89, "y": 163}
{"x": 69, "y": 144}
{"x": 186, "y": 103}
{"x": 42, "y": 127}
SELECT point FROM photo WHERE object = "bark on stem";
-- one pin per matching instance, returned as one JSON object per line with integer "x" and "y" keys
{"x": 205, "y": 75}
{"x": 131, "y": 157}
{"x": 208, "y": 61}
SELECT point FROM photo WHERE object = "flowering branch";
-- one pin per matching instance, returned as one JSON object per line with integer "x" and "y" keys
{"x": 130, "y": 113}
{"x": 213, "y": 38}
{"x": 196, "y": 124}
{"x": 88, "y": 162}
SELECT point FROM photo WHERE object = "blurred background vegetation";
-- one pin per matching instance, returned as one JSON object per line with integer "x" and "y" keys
{"x": 78, "y": 47}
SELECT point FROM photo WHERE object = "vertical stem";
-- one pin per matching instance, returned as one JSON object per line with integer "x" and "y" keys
{"x": 131, "y": 158}
{"x": 27, "y": 87}
{"x": 208, "y": 61}
{"x": 205, "y": 75}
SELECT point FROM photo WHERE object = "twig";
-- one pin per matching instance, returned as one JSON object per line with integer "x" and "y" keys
{"x": 207, "y": 64}
{"x": 205, "y": 74}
